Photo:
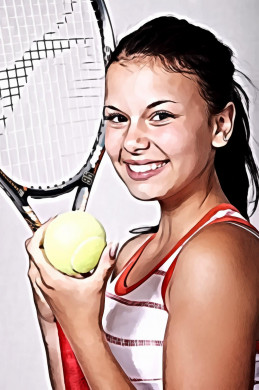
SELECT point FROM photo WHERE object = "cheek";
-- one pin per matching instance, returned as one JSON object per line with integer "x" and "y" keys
{"x": 175, "y": 141}
{"x": 195, "y": 155}
{"x": 188, "y": 148}
{"x": 112, "y": 142}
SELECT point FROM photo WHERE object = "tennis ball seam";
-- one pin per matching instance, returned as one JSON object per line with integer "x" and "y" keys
{"x": 80, "y": 246}
{"x": 63, "y": 243}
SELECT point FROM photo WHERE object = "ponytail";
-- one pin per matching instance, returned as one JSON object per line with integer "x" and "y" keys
{"x": 234, "y": 162}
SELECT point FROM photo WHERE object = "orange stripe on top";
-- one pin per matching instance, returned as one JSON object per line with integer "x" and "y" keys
{"x": 121, "y": 288}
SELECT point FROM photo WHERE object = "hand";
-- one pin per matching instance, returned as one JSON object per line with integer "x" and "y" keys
{"x": 43, "y": 309}
{"x": 74, "y": 302}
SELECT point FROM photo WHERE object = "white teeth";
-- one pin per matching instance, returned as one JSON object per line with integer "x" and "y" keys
{"x": 146, "y": 167}
{"x": 140, "y": 168}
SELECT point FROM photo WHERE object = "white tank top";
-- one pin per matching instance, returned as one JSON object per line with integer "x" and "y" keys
{"x": 135, "y": 317}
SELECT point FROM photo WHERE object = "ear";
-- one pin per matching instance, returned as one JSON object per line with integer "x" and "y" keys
{"x": 223, "y": 124}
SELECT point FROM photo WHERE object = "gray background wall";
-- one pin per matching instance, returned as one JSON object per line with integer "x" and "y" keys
{"x": 22, "y": 362}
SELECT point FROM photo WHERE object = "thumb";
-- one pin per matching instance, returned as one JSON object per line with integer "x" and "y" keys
{"x": 106, "y": 262}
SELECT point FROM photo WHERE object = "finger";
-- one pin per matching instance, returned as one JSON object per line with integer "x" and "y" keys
{"x": 36, "y": 241}
{"x": 28, "y": 245}
{"x": 40, "y": 233}
{"x": 50, "y": 276}
{"x": 46, "y": 312}
{"x": 34, "y": 273}
{"x": 27, "y": 242}
{"x": 106, "y": 263}
{"x": 79, "y": 276}
{"x": 45, "y": 290}
{"x": 114, "y": 250}
{"x": 36, "y": 255}
{"x": 33, "y": 243}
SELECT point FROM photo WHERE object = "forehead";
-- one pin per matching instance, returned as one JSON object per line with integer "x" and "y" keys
{"x": 148, "y": 81}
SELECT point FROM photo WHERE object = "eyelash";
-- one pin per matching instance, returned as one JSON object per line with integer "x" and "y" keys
{"x": 111, "y": 117}
{"x": 168, "y": 114}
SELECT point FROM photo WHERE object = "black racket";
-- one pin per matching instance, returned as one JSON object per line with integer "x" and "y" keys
{"x": 52, "y": 75}
{"x": 51, "y": 100}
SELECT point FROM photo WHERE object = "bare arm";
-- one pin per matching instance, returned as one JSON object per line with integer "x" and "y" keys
{"x": 78, "y": 306}
{"x": 98, "y": 364}
{"x": 52, "y": 347}
{"x": 48, "y": 330}
{"x": 213, "y": 312}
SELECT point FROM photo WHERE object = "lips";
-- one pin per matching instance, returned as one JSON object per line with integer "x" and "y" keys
{"x": 143, "y": 170}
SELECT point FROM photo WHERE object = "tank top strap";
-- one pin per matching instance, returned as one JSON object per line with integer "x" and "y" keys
{"x": 224, "y": 213}
{"x": 221, "y": 213}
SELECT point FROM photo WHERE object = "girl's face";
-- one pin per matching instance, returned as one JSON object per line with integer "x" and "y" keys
{"x": 157, "y": 132}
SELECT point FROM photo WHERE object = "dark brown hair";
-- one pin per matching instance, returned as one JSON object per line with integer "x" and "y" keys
{"x": 186, "y": 48}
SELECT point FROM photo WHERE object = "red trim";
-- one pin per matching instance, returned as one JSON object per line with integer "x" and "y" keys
{"x": 127, "y": 302}
{"x": 144, "y": 380}
{"x": 132, "y": 343}
{"x": 160, "y": 272}
{"x": 120, "y": 287}
{"x": 139, "y": 251}
{"x": 257, "y": 346}
{"x": 235, "y": 219}
{"x": 170, "y": 270}
{"x": 73, "y": 376}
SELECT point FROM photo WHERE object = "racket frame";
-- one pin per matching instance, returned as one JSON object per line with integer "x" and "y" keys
{"x": 84, "y": 179}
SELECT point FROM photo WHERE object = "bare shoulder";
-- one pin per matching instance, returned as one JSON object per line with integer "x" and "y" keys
{"x": 213, "y": 306}
{"x": 228, "y": 240}
{"x": 222, "y": 259}
{"x": 127, "y": 251}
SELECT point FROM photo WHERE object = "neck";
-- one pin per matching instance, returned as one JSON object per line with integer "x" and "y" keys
{"x": 181, "y": 211}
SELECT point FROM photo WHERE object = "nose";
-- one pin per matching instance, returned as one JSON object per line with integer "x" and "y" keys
{"x": 135, "y": 139}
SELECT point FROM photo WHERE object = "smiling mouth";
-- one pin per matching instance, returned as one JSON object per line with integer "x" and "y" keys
{"x": 146, "y": 167}
{"x": 138, "y": 171}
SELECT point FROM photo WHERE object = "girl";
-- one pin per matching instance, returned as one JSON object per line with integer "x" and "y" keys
{"x": 181, "y": 301}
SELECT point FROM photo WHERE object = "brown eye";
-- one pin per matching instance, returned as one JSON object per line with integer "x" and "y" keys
{"x": 116, "y": 118}
{"x": 162, "y": 115}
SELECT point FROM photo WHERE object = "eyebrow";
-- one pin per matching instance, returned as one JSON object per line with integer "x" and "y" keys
{"x": 112, "y": 108}
{"x": 154, "y": 104}
{"x": 151, "y": 105}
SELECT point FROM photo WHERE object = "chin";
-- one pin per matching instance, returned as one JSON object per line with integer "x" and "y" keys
{"x": 145, "y": 192}
{"x": 155, "y": 188}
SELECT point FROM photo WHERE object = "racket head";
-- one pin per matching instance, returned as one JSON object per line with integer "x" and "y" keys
{"x": 52, "y": 91}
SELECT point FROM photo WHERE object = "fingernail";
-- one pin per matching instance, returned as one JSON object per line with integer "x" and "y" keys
{"x": 113, "y": 250}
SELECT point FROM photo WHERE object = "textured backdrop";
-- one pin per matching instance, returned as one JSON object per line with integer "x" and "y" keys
{"x": 23, "y": 365}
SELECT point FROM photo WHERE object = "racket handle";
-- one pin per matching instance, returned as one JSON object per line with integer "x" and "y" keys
{"x": 73, "y": 376}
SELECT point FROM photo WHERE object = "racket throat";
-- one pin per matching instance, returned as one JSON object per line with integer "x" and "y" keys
{"x": 31, "y": 218}
{"x": 81, "y": 199}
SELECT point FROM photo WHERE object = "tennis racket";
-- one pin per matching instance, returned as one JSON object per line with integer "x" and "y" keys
{"x": 52, "y": 70}
{"x": 51, "y": 101}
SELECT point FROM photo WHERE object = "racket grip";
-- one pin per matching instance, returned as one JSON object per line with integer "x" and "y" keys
{"x": 73, "y": 376}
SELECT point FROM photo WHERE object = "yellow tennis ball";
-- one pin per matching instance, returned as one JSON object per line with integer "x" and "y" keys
{"x": 74, "y": 241}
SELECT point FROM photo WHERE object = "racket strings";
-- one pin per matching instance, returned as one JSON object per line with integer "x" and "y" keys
{"x": 15, "y": 78}
{"x": 52, "y": 96}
